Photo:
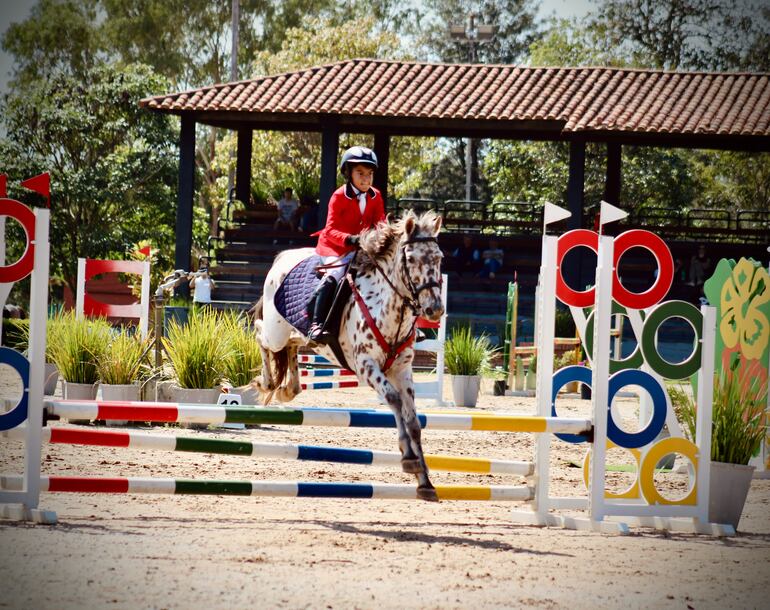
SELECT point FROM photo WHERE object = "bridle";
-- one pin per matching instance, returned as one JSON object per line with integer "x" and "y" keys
{"x": 412, "y": 300}
{"x": 414, "y": 291}
{"x": 392, "y": 350}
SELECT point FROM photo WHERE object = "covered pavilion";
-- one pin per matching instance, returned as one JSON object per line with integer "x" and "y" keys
{"x": 385, "y": 98}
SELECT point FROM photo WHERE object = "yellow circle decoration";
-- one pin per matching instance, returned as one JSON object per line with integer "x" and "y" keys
{"x": 632, "y": 492}
{"x": 650, "y": 461}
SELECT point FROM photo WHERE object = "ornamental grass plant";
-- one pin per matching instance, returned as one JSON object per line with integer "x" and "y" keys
{"x": 466, "y": 354}
{"x": 125, "y": 359}
{"x": 75, "y": 345}
{"x": 739, "y": 422}
{"x": 245, "y": 358}
{"x": 198, "y": 350}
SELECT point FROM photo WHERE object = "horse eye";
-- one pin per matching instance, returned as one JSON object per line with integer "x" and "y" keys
{"x": 410, "y": 259}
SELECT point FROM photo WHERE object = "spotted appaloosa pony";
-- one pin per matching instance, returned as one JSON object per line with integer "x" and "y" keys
{"x": 398, "y": 275}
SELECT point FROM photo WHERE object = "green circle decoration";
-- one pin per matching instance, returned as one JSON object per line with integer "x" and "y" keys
{"x": 664, "y": 311}
{"x": 632, "y": 361}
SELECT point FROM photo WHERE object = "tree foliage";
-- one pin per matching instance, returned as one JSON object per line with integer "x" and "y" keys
{"x": 513, "y": 20}
{"x": 686, "y": 34}
{"x": 113, "y": 166}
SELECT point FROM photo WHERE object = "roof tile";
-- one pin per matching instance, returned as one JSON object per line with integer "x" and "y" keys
{"x": 581, "y": 99}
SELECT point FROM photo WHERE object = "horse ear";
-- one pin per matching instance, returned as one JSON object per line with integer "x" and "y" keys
{"x": 389, "y": 218}
{"x": 437, "y": 225}
{"x": 409, "y": 225}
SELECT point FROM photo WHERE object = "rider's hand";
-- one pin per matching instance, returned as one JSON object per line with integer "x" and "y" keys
{"x": 352, "y": 240}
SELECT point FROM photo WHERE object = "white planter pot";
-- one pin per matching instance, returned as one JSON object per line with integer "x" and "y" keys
{"x": 51, "y": 379}
{"x": 208, "y": 396}
{"x": 80, "y": 391}
{"x": 465, "y": 389}
{"x": 729, "y": 486}
{"x": 121, "y": 392}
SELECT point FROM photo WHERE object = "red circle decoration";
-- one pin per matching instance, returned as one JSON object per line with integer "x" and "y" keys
{"x": 26, "y": 218}
{"x": 566, "y": 242}
{"x": 639, "y": 238}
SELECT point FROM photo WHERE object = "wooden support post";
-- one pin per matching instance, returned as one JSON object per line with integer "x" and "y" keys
{"x": 184, "y": 208}
{"x": 243, "y": 167}
{"x": 330, "y": 143}
{"x": 382, "y": 150}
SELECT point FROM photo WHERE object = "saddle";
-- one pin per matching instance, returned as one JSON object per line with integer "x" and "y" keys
{"x": 295, "y": 297}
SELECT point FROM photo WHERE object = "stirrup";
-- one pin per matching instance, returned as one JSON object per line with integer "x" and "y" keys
{"x": 316, "y": 333}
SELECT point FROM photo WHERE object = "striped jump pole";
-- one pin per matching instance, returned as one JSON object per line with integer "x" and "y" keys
{"x": 334, "y": 384}
{"x": 197, "y": 444}
{"x": 326, "y": 373}
{"x": 286, "y": 489}
{"x": 343, "y": 418}
{"x": 330, "y": 385}
{"x": 312, "y": 359}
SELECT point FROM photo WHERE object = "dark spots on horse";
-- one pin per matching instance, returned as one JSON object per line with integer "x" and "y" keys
{"x": 361, "y": 370}
{"x": 410, "y": 391}
{"x": 379, "y": 379}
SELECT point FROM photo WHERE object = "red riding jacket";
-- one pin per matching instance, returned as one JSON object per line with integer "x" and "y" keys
{"x": 344, "y": 218}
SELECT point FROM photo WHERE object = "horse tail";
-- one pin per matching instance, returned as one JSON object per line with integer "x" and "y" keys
{"x": 257, "y": 310}
{"x": 281, "y": 360}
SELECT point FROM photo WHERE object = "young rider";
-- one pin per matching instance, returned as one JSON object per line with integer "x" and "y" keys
{"x": 353, "y": 207}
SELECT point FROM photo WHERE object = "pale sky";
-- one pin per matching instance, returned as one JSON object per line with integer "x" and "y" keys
{"x": 14, "y": 11}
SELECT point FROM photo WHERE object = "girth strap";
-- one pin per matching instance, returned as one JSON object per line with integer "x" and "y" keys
{"x": 391, "y": 351}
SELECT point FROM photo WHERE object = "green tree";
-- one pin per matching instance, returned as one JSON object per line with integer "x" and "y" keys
{"x": 59, "y": 37}
{"x": 686, "y": 34}
{"x": 513, "y": 21}
{"x": 113, "y": 166}
{"x": 281, "y": 159}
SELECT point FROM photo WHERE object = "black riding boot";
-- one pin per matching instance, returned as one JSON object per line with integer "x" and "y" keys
{"x": 323, "y": 301}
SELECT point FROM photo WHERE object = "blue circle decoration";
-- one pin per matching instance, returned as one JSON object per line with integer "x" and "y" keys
{"x": 561, "y": 378}
{"x": 634, "y": 440}
{"x": 18, "y": 414}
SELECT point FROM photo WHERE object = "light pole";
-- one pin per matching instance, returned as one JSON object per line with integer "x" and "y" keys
{"x": 472, "y": 34}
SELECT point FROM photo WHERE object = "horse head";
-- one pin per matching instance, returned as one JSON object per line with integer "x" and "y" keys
{"x": 419, "y": 267}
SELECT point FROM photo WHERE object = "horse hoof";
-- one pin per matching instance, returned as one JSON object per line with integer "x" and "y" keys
{"x": 427, "y": 493}
{"x": 411, "y": 466}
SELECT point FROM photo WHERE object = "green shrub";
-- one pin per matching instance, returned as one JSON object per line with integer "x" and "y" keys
{"x": 738, "y": 417}
{"x": 76, "y": 344}
{"x": 245, "y": 359}
{"x": 197, "y": 350}
{"x": 465, "y": 354}
{"x": 124, "y": 360}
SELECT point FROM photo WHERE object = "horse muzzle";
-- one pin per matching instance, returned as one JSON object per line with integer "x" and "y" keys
{"x": 434, "y": 311}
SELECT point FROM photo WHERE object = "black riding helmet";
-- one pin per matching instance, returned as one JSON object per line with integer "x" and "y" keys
{"x": 354, "y": 155}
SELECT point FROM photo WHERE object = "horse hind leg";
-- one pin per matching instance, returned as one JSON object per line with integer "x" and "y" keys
{"x": 289, "y": 390}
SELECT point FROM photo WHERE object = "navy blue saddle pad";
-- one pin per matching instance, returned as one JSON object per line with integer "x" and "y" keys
{"x": 293, "y": 296}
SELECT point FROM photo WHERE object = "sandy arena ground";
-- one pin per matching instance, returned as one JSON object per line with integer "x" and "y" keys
{"x": 224, "y": 552}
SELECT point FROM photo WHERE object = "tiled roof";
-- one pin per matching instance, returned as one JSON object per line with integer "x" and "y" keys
{"x": 617, "y": 100}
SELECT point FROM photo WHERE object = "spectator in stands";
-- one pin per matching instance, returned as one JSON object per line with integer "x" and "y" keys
{"x": 493, "y": 260}
{"x": 466, "y": 257}
{"x": 287, "y": 212}
{"x": 700, "y": 267}
{"x": 308, "y": 215}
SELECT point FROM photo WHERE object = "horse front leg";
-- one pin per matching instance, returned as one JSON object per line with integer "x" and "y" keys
{"x": 412, "y": 459}
{"x": 401, "y": 377}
